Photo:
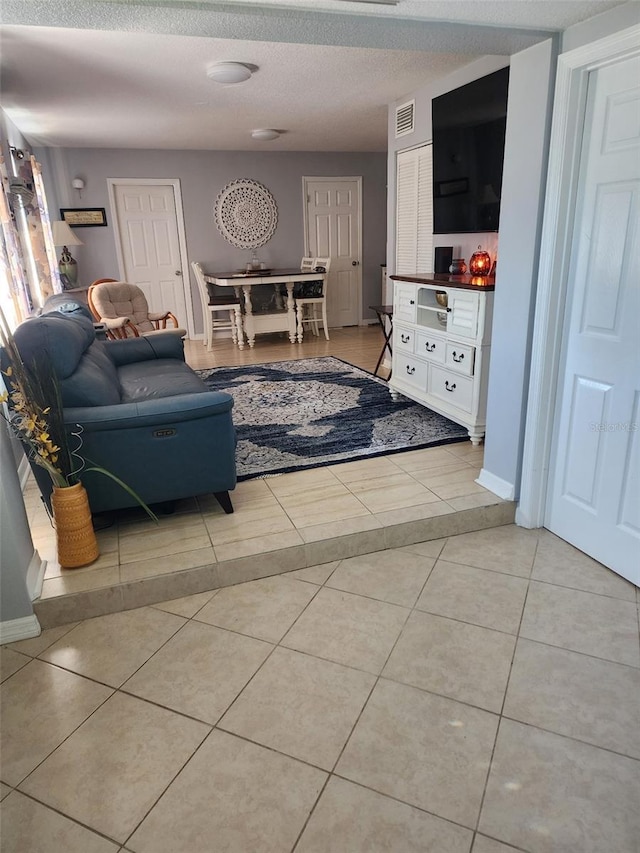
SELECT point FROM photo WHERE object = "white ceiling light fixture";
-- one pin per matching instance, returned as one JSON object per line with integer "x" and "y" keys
{"x": 265, "y": 134}
{"x": 230, "y": 72}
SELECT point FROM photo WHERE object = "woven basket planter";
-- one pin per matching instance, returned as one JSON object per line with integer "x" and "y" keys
{"x": 77, "y": 543}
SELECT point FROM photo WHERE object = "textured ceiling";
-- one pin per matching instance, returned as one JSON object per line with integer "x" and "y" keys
{"x": 115, "y": 74}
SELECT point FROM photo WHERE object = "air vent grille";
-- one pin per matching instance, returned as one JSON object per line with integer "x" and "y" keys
{"x": 405, "y": 116}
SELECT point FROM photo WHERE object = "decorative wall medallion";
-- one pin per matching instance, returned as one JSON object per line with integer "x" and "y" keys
{"x": 246, "y": 214}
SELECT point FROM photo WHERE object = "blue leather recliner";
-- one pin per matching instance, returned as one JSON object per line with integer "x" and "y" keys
{"x": 144, "y": 414}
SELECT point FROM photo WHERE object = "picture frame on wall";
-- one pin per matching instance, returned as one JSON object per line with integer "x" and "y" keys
{"x": 83, "y": 217}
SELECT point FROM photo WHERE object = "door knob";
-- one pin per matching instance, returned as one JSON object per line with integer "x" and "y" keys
{"x": 354, "y": 263}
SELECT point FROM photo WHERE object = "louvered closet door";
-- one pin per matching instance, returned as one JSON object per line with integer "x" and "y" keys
{"x": 414, "y": 211}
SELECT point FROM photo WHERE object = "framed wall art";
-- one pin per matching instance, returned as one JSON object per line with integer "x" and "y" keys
{"x": 83, "y": 217}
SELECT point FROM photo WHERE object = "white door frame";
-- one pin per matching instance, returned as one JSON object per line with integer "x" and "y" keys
{"x": 306, "y": 179}
{"x": 112, "y": 183}
{"x": 555, "y": 256}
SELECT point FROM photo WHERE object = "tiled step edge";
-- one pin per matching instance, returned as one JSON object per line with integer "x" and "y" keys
{"x": 52, "y": 612}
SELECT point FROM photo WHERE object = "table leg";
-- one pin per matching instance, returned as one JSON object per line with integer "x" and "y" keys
{"x": 291, "y": 312}
{"x": 248, "y": 316}
{"x": 238, "y": 313}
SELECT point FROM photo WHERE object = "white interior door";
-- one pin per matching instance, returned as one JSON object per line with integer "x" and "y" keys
{"x": 150, "y": 246}
{"x": 333, "y": 219}
{"x": 594, "y": 489}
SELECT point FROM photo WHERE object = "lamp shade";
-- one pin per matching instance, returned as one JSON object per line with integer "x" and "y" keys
{"x": 63, "y": 235}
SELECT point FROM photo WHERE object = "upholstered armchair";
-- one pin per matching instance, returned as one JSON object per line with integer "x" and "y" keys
{"x": 139, "y": 411}
{"x": 123, "y": 309}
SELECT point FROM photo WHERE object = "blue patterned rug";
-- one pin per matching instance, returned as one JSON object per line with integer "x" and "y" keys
{"x": 291, "y": 415}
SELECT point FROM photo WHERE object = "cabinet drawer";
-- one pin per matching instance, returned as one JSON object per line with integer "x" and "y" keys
{"x": 430, "y": 346}
{"x": 403, "y": 339}
{"x": 460, "y": 357}
{"x": 454, "y": 389}
{"x": 411, "y": 371}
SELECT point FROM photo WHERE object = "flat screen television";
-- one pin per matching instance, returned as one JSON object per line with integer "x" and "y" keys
{"x": 468, "y": 149}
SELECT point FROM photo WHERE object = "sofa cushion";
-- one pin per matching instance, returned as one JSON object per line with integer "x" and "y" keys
{"x": 86, "y": 374}
{"x": 162, "y": 377}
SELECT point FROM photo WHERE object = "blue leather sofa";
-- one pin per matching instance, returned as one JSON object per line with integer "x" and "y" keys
{"x": 144, "y": 414}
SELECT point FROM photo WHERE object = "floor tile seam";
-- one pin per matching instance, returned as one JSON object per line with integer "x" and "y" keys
{"x": 580, "y": 589}
{"x": 247, "y": 739}
{"x": 513, "y": 634}
{"x": 90, "y": 678}
{"x": 165, "y": 789}
{"x": 302, "y": 527}
{"x": 466, "y": 702}
{"x": 337, "y": 775}
{"x": 152, "y": 655}
{"x": 311, "y": 812}
{"x": 65, "y": 739}
{"x": 635, "y": 666}
{"x": 481, "y": 568}
{"x": 22, "y": 655}
{"x": 315, "y": 656}
{"x": 372, "y": 597}
{"x": 500, "y": 841}
{"x": 69, "y": 817}
{"x": 550, "y": 731}
{"x": 615, "y": 663}
{"x": 504, "y": 699}
{"x": 123, "y": 691}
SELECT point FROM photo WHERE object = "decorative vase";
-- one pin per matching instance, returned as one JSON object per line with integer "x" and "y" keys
{"x": 480, "y": 262}
{"x": 77, "y": 543}
{"x": 458, "y": 266}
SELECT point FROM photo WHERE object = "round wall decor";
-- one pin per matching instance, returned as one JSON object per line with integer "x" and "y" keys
{"x": 246, "y": 214}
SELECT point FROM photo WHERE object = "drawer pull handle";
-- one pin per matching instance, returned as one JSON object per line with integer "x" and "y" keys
{"x": 411, "y": 370}
{"x": 451, "y": 387}
{"x": 405, "y": 338}
{"x": 429, "y": 347}
{"x": 412, "y": 302}
{"x": 458, "y": 358}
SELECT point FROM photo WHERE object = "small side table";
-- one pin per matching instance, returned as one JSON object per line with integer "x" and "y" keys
{"x": 384, "y": 313}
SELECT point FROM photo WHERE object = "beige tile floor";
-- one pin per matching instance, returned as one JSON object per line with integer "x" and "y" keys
{"x": 475, "y": 692}
{"x": 478, "y": 692}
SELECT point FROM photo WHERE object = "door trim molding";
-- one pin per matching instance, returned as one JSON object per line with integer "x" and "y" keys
{"x": 174, "y": 183}
{"x": 306, "y": 179}
{"x": 555, "y": 256}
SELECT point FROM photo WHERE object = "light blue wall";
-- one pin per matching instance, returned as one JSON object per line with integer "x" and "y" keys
{"x": 202, "y": 174}
{"x": 523, "y": 180}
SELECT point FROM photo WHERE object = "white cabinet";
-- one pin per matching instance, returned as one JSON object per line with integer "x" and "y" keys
{"x": 441, "y": 347}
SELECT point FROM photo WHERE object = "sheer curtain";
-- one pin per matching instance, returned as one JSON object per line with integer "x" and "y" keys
{"x": 28, "y": 267}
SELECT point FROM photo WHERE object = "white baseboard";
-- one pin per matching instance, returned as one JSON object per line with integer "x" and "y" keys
{"x": 35, "y": 576}
{"x": 19, "y": 629}
{"x": 497, "y": 485}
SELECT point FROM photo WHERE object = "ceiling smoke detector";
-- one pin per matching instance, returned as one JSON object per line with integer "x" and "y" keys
{"x": 230, "y": 72}
{"x": 265, "y": 134}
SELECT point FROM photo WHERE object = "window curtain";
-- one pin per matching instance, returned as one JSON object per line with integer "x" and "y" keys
{"x": 28, "y": 263}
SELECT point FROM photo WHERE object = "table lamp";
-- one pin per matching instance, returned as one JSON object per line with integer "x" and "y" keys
{"x": 64, "y": 236}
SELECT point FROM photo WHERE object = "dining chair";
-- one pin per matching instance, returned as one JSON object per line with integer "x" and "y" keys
{"x": 226, "y": 304}
{"x": 311, "y": 299}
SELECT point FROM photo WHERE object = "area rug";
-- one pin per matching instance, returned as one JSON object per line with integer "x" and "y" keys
{"x": 291, "y": 415}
